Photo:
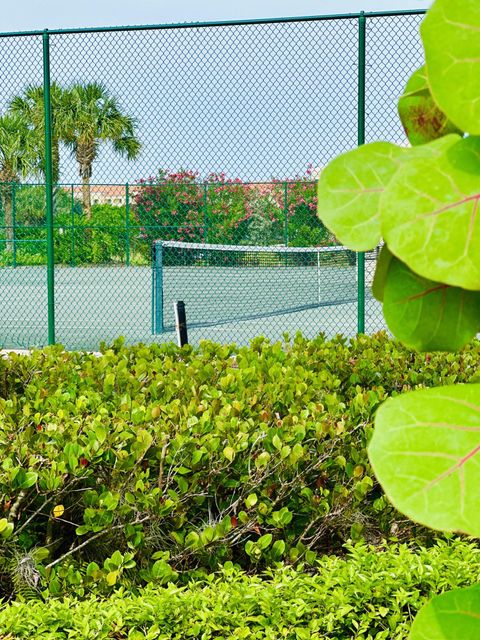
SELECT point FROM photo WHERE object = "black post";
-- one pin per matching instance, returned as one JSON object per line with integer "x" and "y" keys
{"x": 180, "y": 323}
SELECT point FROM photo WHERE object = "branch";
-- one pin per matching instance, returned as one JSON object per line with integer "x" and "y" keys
{"x": 87, "y": 542}
{"x": 17, "y": 504}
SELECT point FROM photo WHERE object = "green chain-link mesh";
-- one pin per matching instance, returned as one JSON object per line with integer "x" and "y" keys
{"x": 210, "y": 134}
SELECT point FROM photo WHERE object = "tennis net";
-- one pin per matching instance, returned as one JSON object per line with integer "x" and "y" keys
{"x": 230, "y": 283}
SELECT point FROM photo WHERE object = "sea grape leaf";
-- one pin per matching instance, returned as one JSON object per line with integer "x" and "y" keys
{"x": 425, "y": 452}
{"x": 381, "y": 269}
{"x": 428, "y": 315}
{"x": 349, "y": 191}
{"x": 451, "y": 38}
{"x": 429, "y": 212}
{"x": 449, "y": 616}
{"x": 421, "y": 118}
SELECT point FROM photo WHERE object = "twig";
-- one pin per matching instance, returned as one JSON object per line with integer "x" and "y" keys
{"x": 34, "y": 515}
{"x": 67, "y": 487}
{"x": 160, "y": 473}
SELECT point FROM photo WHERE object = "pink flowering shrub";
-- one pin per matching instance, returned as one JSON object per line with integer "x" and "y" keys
{"x": 304, "y": 226}
{"x": 227, "y": 214}
{"x": 221, "y": 210}
{"x": 170, "y": 207}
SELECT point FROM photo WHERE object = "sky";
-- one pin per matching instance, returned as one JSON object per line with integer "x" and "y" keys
{"x": 256, "y": 102}
{"x": 40, "y": 14}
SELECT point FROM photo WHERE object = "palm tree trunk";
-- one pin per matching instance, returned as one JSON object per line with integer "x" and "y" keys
{"x": 55, "y": 160}
{"x": 86, "y": 197}
{"x": 8, "y": 210}
{"x": 7, "y": 205}
{"x": 85, "y": 154}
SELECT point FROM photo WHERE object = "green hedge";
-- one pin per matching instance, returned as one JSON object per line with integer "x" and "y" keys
{"x": 78, "y": 240}
{"x": 145, "y": 462}
{"x": 369, "y": 595}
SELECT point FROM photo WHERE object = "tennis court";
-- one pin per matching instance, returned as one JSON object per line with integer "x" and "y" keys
{"x": 94, "y": 304}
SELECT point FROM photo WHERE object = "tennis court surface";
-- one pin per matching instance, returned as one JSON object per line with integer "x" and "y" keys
{"x": 223, "y": 303}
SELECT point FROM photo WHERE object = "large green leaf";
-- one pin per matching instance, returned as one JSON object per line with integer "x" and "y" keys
{"x": 454, "y": 615}
{"x": 421, "y": 118}
{"x": 425, "y": 452}
{"x": 451, "y": 38}
{"x": 349, "y": 191}
{"x": 381, "y": 269}
{"x": 429, "y": 212}
{"x": 428, "y": 315}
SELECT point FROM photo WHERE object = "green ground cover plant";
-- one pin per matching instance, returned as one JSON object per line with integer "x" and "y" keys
{"x": 370, "y": 594}
{"x": 147, "y": 462}
{"x": 423, "y": 202}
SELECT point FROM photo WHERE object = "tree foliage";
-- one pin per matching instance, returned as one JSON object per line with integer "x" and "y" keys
{"x": 84, "y": 116}
{"x": 92, "y": 116}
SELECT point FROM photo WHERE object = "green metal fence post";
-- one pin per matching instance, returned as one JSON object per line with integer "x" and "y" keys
{"x": 127, "y": 224}
{"x": 47, "y": 107}
{"x": 362, "y": 24}
{"x": 158, "y": 319}
{"x": 14, "y": 224}
{"x": 72, "y": 226}
{"x": 205, "y": 212}
{"x": 285, "y": 210}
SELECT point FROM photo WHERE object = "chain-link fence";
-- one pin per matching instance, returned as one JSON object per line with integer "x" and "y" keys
{"x": 209, "y": 137}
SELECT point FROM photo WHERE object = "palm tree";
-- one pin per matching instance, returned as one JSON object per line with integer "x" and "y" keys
{"x": 18, "y": 159}
{"x": 29, "y": 106}
{"x": 92, "y": 116}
